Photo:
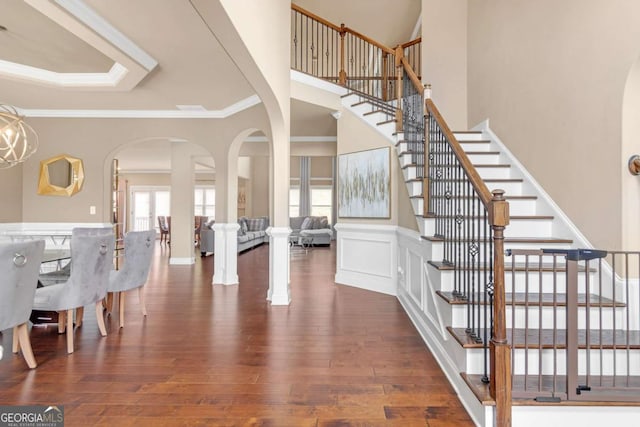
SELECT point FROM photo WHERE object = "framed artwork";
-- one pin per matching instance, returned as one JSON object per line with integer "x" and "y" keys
{"x": 364, "y": 184}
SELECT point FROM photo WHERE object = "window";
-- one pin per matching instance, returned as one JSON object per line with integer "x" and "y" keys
{"x": 294, "y": 201}
{"x": 321, "y": 198}
{"x": 205, "y": 201}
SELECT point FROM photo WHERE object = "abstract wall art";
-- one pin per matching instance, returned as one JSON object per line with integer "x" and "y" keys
{"x": 364, "y": 184}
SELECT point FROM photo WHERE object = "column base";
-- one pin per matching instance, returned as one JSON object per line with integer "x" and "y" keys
{"x": 279, "y": 292}
{"x": 225, "y": 261}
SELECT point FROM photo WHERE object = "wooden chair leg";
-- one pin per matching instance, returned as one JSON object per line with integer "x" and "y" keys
{"x": 109, "y": 302}
{"x": 100, "y": 318}
{"x": 121, "y": 307}
{"x": 70, "y": 331}
{"x": 79, "y": 316}
{"x": 25, "y": 345}
{"x": 15, "y": 346}
{"x": 142, "y": 300}
{"x": 62, "y": 321}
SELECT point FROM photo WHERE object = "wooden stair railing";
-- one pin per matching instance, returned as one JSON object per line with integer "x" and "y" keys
{"x": 470, "y": 221}
{"x": 344, "y": 56}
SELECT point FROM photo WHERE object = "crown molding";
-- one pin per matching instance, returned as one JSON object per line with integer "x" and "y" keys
{"x": 131, "y": 63}
{"x": 144, "y": 114}
{"x": 295, "y": 139}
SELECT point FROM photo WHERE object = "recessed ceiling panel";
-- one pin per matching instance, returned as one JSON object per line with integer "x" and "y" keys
{"x": 35, "y": 40}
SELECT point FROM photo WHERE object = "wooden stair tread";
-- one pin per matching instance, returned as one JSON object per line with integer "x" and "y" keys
{"x": 537, "y": 240}
{"x": 491, "y": 180}
{"x": 482, "y": 153}
{"x": 517, "y": 339}
{"x": 385, "y": 122}
{"x": 368, "y": 113}
{"x": 532, "y": 267}
{"x": 506, "y": 197}
{"x": 512, "y": 217}
{"x": 535, "y": 299}
{"x": 481, "y": 390}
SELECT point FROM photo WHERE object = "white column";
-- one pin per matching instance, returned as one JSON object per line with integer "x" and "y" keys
{"x": 182, "y": 181}
{"x": 225, "y": 259}
{"x": 279, "y": 292}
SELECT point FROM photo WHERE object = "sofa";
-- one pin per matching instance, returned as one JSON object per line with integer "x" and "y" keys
{"x": 252, "y": 233}
{"x": 316, "y": 228}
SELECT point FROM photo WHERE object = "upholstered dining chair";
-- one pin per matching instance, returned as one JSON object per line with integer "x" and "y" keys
{"x": 19, "y": 268}
{"x": 91, "y": 261}
{"x": 66, "y": 271}
{"x": 138, "y": 253}
{"x": 164, "y": 228}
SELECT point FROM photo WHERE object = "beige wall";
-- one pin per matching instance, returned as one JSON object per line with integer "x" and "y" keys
{"x": 11, "y": 194}
{"x": 630, "y": 147}
{"x": 355, "y": 135}
{"x": 550, "y": 76}
{"x": 97, "y": 141}
{"x": 260, "y": 187}
{"x": 444, "y": 57}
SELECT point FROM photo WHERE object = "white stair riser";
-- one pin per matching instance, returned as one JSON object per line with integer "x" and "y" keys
{"x": 414, "y": 188}
{"x": 517, "y": 228}
{"x": 532, "y": 316}
{"x": 529, "y": 228}
{"x": 528, "y": 361}
{"x": 406, "y": 159}
{"x": 375, "y": 117}
{"x": 447, "y": 282}
{"x": 509, "y": 188}
{"x": 469, "y": 136}
{"x": 417, "y": 205}
{"x": 483, "y": 146}
{"x": 484, "y": 159}
{"x": 409, "y": 173}
{"x": 522, "y": 207}
{"x": 387, "y": 128}
{"x": 507, "y": 244}
{"x": 492, "y": 173}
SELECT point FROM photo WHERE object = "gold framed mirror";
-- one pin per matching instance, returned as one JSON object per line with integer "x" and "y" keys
{"x": 61, "y": 175}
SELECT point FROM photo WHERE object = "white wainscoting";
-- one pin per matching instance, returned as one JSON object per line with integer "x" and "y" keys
{"x": 367, "y": 256}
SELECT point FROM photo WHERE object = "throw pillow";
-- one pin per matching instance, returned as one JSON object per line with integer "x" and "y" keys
{"x": 307, "y": 224}
{"x": 324, "y": 222}
{"x": 254, "y": 224}
{"x": 243, "y": 226}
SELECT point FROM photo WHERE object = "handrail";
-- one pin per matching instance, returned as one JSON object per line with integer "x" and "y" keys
{"x": 411, "y": 43}
{"x": 412, "y": 75}
{"x": 343, "y": 29}
{"x": 315, "y": 17}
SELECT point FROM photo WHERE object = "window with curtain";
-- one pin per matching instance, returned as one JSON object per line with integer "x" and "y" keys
{"x": 321, "y": 197}
{"x": 205, "y": 201}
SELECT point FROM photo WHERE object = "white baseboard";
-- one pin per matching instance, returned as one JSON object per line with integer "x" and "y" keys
{"x": 182, "y": 261}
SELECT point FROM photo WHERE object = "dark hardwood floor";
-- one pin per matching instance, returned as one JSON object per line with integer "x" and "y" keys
{"x": 222, "y": 356}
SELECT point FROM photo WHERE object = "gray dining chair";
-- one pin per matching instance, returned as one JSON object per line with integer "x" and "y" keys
{"x": 91, "y": 258}
{"x": 138, "y": 253}
{"x": 19, "y": 268}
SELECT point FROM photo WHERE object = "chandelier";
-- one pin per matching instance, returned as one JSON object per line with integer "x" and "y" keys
{"x": 18, "y": 140}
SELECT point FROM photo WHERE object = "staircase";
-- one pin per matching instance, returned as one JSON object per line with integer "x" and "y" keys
{"x": 535, "y": 291}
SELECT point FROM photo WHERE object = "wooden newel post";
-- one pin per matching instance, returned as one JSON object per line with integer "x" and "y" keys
{"x": 342, "y": 74}
{"x": 500, "y": 351}
{"x": 399, "y": 54}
